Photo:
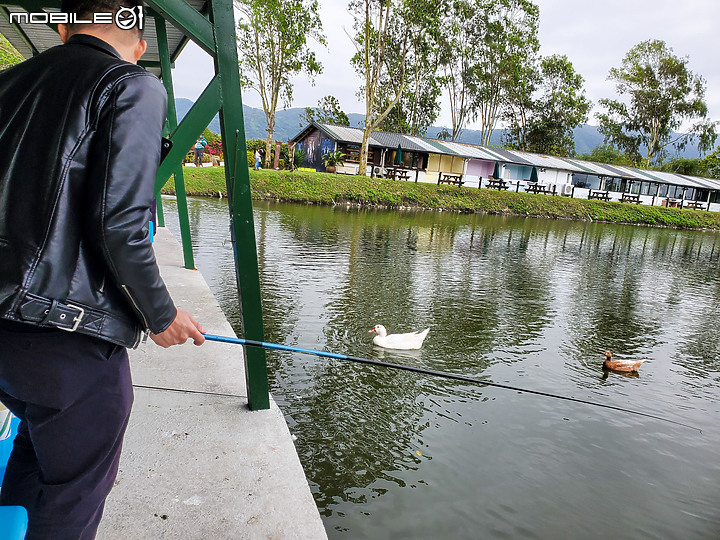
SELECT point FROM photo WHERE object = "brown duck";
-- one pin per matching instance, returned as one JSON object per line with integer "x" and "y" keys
{"x": 626, "y": 366}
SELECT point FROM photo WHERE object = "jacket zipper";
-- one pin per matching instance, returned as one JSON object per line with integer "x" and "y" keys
{"x": 142, "y": 338}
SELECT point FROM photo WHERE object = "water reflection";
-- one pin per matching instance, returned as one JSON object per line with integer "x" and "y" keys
{"x": 530, "y": 303}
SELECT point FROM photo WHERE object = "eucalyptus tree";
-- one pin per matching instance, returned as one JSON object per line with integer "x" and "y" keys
{"x": 659, "y": 94}
{"x": 273, "y": 39}
{"x": 712, "y": 163}
{"x": 488, "y": 47}
{"x": 509, "y": 44}
{"x": 543, "y": 120}
{"x": 328, "y": 111}
{"x": 457, "y": 45}
{"x": 384, "y": 54}
{"x": 418, "y": 31}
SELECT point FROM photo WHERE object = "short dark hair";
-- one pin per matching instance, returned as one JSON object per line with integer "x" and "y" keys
{"x": 84, "y": 9}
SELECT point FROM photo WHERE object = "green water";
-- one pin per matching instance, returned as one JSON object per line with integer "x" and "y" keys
{"x": 529, "y": 303}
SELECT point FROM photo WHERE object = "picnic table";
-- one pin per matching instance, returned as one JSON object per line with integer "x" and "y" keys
{"x": 669, "y": 202}
{"x": 450, "y": 178}
{"x": 534, "y": 187}
{"x": 497, "y": 183}
{"x": 695, "y": 205}
{"x": 398, "y": 174}
{"x": 600, "y": 195}
{"x": 628, "y": 198}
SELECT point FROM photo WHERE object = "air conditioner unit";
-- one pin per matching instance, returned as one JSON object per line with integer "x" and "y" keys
{"x": 379, "y": 171}
{"x": 567, "y": 189}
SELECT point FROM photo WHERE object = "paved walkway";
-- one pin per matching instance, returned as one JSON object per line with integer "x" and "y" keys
{"x": 198, "y": 465}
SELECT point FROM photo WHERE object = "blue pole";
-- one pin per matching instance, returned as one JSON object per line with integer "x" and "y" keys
{"x": 277, "y": 347}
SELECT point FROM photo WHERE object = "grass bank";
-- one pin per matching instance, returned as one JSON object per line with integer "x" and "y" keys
{"x": 331, "y": 189}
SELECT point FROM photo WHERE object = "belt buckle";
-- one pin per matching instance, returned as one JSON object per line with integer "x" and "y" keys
{"x": 76, "y": 320}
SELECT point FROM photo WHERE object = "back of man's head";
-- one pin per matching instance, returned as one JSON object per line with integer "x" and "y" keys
{"x": 130, "y": 11}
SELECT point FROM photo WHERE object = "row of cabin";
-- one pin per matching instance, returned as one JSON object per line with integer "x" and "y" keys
{"x": 427, "y": 160}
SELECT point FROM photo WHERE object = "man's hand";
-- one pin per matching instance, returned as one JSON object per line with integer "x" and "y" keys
{"x": 182, "y": 328}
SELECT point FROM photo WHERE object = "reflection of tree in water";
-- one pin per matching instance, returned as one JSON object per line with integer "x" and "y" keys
{"x": 490, "y": 295}
{"x": 629, "y": 289}
{"x": 363, "y": 423}
{"x": 699, "y": 348}
{"x": 371, "y": 418}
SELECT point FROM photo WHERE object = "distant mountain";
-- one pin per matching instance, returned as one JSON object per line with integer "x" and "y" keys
{"x": 288, "y": 124}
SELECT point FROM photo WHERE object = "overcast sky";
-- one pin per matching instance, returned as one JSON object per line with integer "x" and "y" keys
{"x": 594, "y": 34}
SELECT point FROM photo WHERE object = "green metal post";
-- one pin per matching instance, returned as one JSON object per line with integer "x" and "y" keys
{"x": 239, "y": 197}
{"x": 166, "y": 72}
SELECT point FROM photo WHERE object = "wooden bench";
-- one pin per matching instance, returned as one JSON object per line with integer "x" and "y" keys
{"x": 600, "y": 195}
{"x": 448, "y": 178}
{"x": 628, "y": 198}
{"x": 537, "y": 188}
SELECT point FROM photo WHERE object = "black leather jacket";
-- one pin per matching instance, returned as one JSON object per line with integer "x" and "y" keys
{"x": 80, "y": 133}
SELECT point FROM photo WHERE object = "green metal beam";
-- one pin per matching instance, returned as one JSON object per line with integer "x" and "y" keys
{"x": 166, "y": 72}
{"x": 189, "y": 20}
{"x": 147, "y": 64}
{"x": 239, "y": 198}
{"x": 192, "y": 125}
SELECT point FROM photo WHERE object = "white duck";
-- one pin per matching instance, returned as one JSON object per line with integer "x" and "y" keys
{"x": 409, "y": 341}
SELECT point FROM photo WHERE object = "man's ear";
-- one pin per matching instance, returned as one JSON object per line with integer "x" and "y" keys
{"x": 64, "y": 31}
{"x": 140, "y": 49}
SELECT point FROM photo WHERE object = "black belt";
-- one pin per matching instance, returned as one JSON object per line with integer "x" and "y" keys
{"x": 71, "y": 317}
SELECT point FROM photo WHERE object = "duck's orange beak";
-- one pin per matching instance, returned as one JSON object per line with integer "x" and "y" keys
{"x": 371, "y": 331}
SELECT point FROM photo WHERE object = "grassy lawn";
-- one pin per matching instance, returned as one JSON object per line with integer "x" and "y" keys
{"x": 330, "y": 189}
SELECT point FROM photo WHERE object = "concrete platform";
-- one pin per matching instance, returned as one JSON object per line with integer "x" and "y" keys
{"x": 197, "y": 463}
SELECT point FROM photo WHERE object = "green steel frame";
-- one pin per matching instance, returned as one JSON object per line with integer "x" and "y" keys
{"x": 216, "y": 35}
{"x": 214, "y": 31}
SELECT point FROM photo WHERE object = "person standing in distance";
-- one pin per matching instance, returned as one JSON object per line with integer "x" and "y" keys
{"x": 78, "y": 278}
{"x": 199, "y": 150}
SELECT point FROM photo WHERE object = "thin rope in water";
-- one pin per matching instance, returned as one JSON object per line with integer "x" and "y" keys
{"x": 443, "y": 374}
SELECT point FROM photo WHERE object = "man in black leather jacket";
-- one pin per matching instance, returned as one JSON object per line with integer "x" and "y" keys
{"x": 81, "y": 128}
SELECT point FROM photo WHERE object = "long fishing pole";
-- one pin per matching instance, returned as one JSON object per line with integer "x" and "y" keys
{"x": 424, "y": 371}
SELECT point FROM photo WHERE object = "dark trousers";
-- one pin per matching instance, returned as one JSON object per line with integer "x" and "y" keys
{"x": 73, "y": 395}
{"x": 198, "y": 159}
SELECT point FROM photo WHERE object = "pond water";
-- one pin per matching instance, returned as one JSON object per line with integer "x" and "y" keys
{"x": 523, "y": 302}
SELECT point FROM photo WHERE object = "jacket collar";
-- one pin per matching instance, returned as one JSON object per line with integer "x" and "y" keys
{"x": 92, "y": 41}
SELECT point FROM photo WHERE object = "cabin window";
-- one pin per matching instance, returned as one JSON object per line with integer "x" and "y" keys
{"x": 352, "y": 154}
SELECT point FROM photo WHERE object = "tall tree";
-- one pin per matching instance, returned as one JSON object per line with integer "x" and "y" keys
{"x": 418, "y": 30}
{"x": 509, "y": 44}
{"x": 712, "y": 163}
{"x": 273, "y": 38}
{"x": 458, "y": 43}
{"x": 380, "y": 61}
{"x": 328, "y": 111}
{"x": 663, "y": 94}
{"x": 544, "y": 122}
{"x": 487, "y": 48}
